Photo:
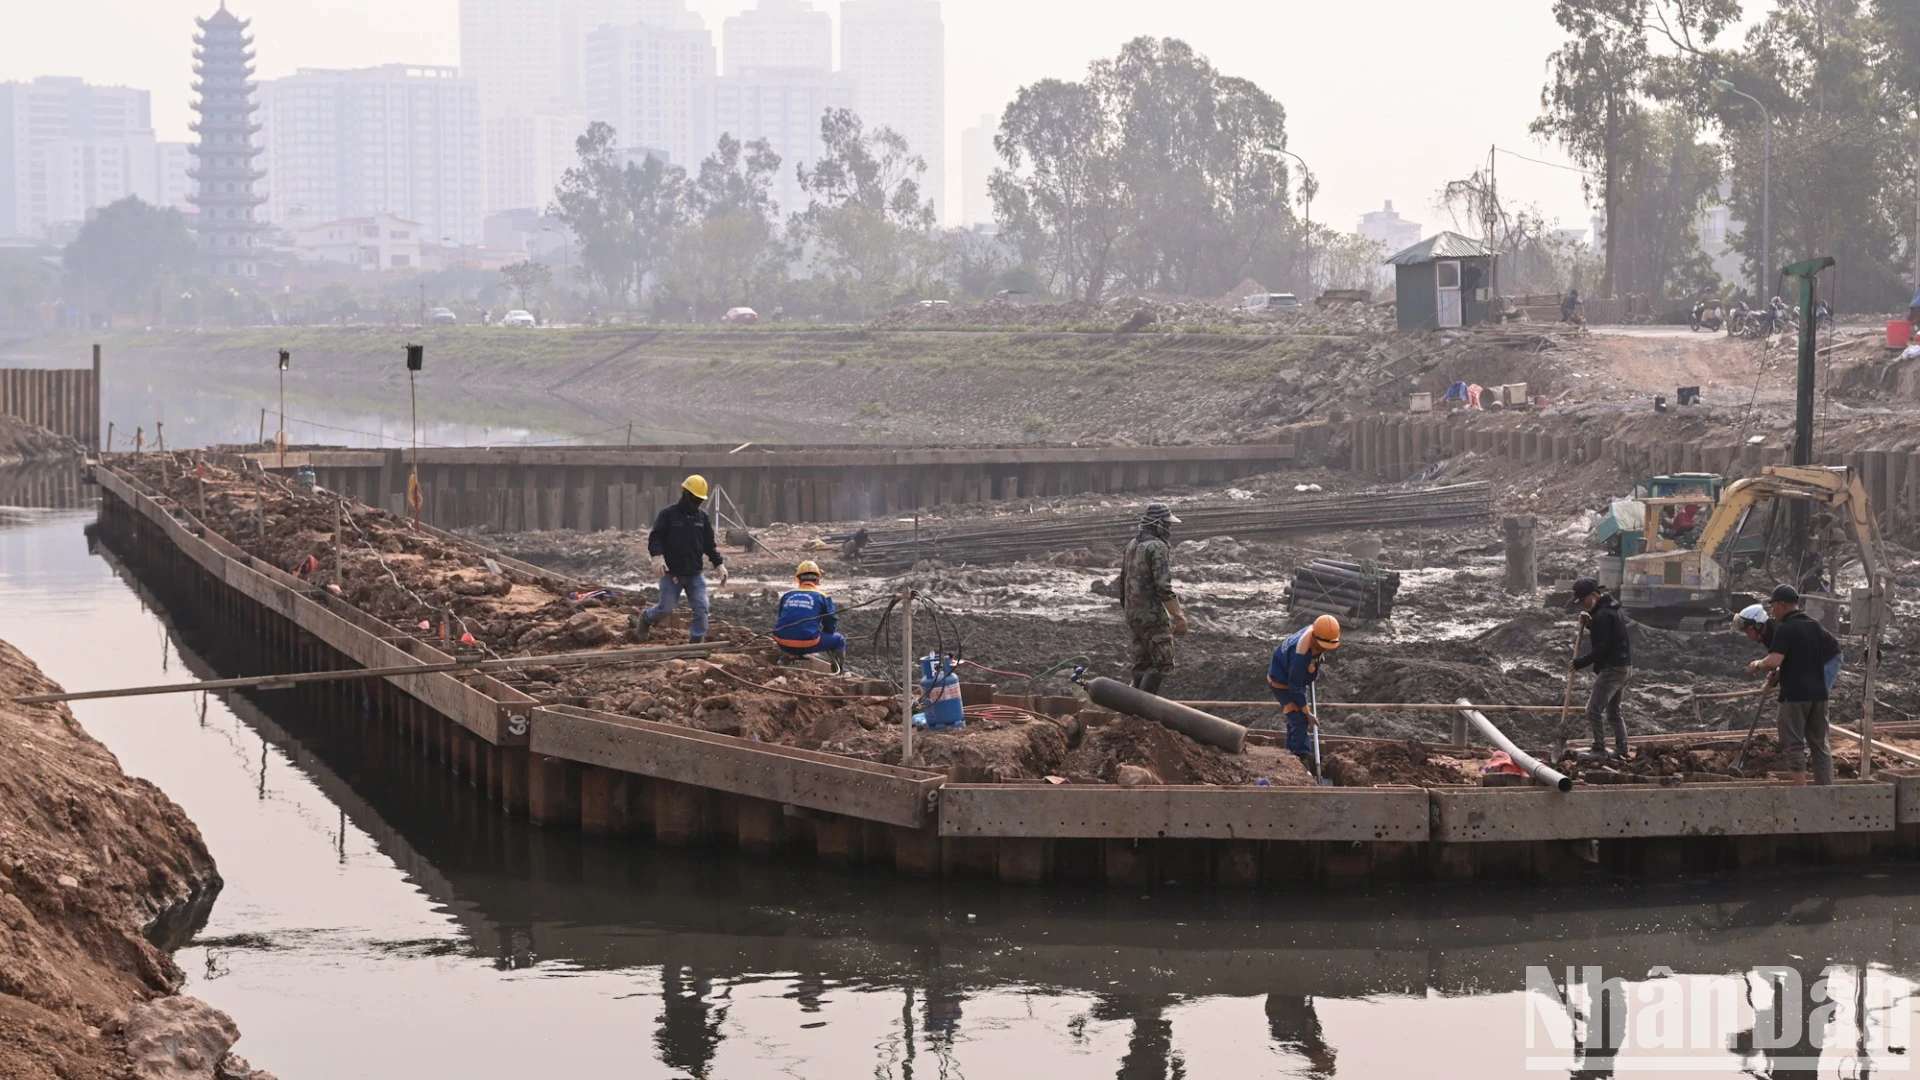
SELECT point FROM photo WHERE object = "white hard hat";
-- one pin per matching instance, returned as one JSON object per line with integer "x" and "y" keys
{"x": 1753, "y": 614}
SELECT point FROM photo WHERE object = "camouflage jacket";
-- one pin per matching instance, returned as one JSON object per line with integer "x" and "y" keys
{"x": 1146, "y": 581}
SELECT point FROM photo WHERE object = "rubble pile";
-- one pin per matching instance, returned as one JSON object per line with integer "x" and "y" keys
{"x": 419, "y": 582}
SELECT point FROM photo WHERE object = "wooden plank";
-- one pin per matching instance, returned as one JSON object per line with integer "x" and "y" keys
{"x": 804, "y": 778}
{"x": 1470, "y": 815}
{"x": 1249, "y": 813}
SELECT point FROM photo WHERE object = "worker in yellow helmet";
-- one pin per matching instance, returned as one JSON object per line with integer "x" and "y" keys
{"x": 682, "y": 536}
{"x": 1296, "y": 663}
{"x": 806, "y": 622}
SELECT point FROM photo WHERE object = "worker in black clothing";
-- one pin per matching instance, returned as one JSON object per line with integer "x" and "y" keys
{"x": 682, "y": 536}
{"x": 1800, "y": 651}
{"x": 1611, "y": 659}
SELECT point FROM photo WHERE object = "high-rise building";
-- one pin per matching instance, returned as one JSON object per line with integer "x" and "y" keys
{"x": 223, "y": 159}
{"x": 780, "y": 105}
{"x": 172, "y": 162}
{"x": 777, "y": 34}
{"x": 895, "y": 51}
{"x": 977, "y": 161}
{"x": 67, "y": 148}
{"x": 527, "y": 154}
{"x": 641, "y": 79}
{"x": 1387, "y": 228}
{"x": 397, "y": 139}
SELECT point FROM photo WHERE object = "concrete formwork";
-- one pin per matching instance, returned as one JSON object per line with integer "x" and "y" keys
{"x": 567, "y": 767}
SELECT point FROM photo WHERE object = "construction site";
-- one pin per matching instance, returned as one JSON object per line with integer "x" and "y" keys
{"x": 1439, "y": 494}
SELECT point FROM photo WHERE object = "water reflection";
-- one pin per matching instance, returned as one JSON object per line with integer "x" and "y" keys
{"x": 368, "y": 893}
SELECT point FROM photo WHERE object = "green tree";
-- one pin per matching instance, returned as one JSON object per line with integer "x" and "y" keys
{"x": 1602, "y": 79}
{"x": 127, "y": 249}
{"x": 1842, "y": 148}
{"x": 26, "y": 282}
{"x": 726, "y": 249}
{"x": 526, "y": 278}
{"x": 866, "y": 216}
{"x": 1156, "y": 171}
{"x": 622, "y": 214}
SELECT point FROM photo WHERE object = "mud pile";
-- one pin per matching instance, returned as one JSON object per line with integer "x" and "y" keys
{"x": 22, "y": 442}
{"x": 95, "y": 868}
{"x": 1135, "y": 314}
{"x": 409, "y": 577}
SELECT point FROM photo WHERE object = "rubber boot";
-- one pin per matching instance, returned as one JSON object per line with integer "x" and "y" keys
{"x": 1151, "y": 682}
{"x": 838, "y": 658}
{"x": 1136, "y": 680}
{"x": 696, "y": 640}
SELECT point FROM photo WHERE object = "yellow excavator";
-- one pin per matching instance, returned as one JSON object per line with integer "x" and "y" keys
{"x": 1681, "y": 580}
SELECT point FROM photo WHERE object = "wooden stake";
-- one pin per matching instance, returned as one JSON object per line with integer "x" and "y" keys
{"x": 1566, "y": 702}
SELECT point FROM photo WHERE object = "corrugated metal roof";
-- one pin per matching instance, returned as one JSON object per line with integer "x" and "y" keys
{"x": 1446, "y": 245}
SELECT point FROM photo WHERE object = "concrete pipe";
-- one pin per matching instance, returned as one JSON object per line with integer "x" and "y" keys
{"x": 1543, "y": 773}
{"x": 1194, "y": 724}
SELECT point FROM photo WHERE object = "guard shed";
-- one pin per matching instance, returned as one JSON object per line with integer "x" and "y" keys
{"x": 1444, "y": 280}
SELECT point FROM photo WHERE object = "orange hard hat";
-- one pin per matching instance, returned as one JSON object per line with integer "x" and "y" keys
{"x": 1326, "y": 632}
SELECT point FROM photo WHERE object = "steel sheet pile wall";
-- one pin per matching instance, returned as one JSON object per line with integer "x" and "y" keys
{"x": 65, "y": 401}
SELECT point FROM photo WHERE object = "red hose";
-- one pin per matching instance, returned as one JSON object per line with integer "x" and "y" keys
{"x": 994, "y": 671}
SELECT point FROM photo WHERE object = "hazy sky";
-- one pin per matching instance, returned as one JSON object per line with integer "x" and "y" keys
{"x": 1386, "y": 99}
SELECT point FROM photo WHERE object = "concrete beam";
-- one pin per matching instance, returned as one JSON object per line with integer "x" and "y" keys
{"x": 1185, "y": 812}
{"x": 1481, "y": 815}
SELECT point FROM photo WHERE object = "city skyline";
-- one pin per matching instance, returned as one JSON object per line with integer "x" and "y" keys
{"x": 1396, "y": 153}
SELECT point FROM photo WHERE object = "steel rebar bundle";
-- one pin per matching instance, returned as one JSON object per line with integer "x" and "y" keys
{"x": 1031, "y": 535}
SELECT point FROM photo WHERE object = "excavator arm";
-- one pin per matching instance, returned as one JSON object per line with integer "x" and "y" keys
{"x": 1830, "y": 485}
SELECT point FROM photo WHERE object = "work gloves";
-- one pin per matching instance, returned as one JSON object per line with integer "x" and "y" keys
{"x": 1179, "y": 618}
{"x": 659, "y": 567}
{"x": 722, "y": 568}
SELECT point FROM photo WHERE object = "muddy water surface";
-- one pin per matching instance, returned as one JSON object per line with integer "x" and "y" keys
{"x": 376, "y": 924}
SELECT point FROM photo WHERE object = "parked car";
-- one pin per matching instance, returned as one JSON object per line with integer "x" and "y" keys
{"x": 741, "y": 315}
{"x": 1270, "y": 301}
{"x": 517, "y": 319}
{"x": 442, "y": 317}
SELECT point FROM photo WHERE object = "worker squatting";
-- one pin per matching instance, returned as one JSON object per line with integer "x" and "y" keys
{"x": 1802, "y": 659}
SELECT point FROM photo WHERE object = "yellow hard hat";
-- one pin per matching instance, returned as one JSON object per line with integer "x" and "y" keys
{"x": 1326, "y": 632}
{"x": 696, "y": 484}
{"x": 807, "y": 568}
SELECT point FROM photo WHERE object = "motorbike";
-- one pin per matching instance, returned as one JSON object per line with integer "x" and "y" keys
{"x": 1707, "y": 316}
{"x": 1740, "y": 321}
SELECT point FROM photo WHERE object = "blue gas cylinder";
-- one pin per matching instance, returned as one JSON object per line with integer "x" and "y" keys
{"x": 305, "y": 478}
{"x": 941, "y": 689}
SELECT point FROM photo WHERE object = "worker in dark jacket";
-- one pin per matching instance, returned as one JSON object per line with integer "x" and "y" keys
{"x": 1611, "y": 658}
{"x": 807, "y": 622}
{"x": 1800, "y": 651}
{"x": 682, "y": 536}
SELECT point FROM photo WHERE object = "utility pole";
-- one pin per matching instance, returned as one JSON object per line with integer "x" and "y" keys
{"x": 1808, "y": 275}
{"x": 423, "y": 301}
{"x": 1306, "y": 195}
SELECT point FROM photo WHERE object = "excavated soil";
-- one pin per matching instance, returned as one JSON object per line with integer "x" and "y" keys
{"x": 408, "y": 577}
{"x": 100, "y": 874}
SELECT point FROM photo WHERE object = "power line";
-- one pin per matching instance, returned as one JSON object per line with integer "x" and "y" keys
{"x": 1548, "y": 164}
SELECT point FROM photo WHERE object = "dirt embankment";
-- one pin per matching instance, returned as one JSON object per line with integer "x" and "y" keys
{"x": 21, "y": 442}
{"x": 100, "y": 875}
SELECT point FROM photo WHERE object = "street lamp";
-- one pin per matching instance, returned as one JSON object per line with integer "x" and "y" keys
{"x": 1766, "y": 189}
{"x": 1306, "y": 191}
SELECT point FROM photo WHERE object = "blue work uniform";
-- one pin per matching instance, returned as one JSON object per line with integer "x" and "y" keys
{"x": 1293, "y": 670}
{"x": 807, "y": 623}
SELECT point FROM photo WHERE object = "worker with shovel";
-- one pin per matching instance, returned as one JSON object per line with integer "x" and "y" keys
{"x": 682, "y": 536}
{"x": 1146, "y": 594}
{"x": 1611, "y": 659}
{"x": 1295, "y": 665}
{"x": 807, "y": 623}
{"x": 1800, "y": 651}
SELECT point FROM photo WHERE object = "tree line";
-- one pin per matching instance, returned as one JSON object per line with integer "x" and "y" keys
{"x": 1638, "y": 95}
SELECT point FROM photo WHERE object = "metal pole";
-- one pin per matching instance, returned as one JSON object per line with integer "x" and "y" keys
{"x": 337, "y": 540}
{"x": 906, "y": 687}
{"x": 1766, "y": 201}
{"x": 281, "y": 441}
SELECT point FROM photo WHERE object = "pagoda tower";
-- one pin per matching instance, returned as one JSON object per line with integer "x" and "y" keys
{"x": 223, "y": 169}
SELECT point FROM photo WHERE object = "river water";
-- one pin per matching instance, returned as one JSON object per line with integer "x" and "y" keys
{"x": 375, "y": 924}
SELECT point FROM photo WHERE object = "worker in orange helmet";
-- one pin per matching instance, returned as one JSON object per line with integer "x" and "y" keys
{"x": 1296, "y": 663}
